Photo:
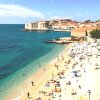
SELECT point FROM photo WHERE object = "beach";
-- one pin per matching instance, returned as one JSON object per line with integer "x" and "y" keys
{"x": 73, "y": 75}
{"x": 21, "y": 55}
{"x": 39, "y": 78}
{"x": 49, "y": 50}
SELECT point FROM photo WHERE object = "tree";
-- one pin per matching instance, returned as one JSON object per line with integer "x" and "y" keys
{"x": 95, "y": 33}
{"x": 73, "y": 38}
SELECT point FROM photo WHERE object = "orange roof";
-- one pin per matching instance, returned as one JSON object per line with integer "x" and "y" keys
{"x": 82, "y": 29}
{"x": 64, "y": 24}
{"x": 68, "y": 24}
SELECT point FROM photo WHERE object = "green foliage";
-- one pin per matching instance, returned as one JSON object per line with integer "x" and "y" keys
{"x": 72, "y": 37}
{"x": 95, "y": 33}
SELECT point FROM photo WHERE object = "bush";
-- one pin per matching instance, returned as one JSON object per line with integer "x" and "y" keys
{"x": 73, "y": 37}
{"x": 95, "y": 33}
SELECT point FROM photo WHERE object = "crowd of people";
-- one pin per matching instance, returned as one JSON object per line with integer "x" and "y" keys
{"x": 75, "y": 76}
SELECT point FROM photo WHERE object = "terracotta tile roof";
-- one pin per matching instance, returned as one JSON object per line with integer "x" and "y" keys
{"x": 82, "y": 29}
{"x": 68, "y": 24}
{"x": 63, "y": 24}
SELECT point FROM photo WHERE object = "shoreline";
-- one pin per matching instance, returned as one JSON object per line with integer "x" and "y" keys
{"x": 54, "y": 30}
{"x": 71, "y": 85}
{"x": 33, "y": 77}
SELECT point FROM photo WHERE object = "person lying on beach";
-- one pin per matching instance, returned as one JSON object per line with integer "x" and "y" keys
{"x": 97, "y": 68}
{"x": 47, "y": 85}
{"x": 68, "y": 83}
{"x": 74, "y": 93}
{"x": 56, "y": 66}
{"x": 57, "y": 90}
{"x": 68, "y": 62}
{"x": 39, "y": 98}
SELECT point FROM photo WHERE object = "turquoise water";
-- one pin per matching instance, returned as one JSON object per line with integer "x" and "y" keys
{"x": 21, "y": 53}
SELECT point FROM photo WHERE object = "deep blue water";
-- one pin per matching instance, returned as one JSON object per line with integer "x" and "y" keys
{"x": 19, "y": 48}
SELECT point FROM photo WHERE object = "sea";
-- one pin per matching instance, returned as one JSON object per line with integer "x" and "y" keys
{"x": 22, "y": 52}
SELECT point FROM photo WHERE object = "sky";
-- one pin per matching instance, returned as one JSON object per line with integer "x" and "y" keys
{"x": 22, "y": 11}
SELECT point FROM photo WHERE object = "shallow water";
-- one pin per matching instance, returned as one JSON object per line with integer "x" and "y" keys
{"x": 22, "y": 52}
